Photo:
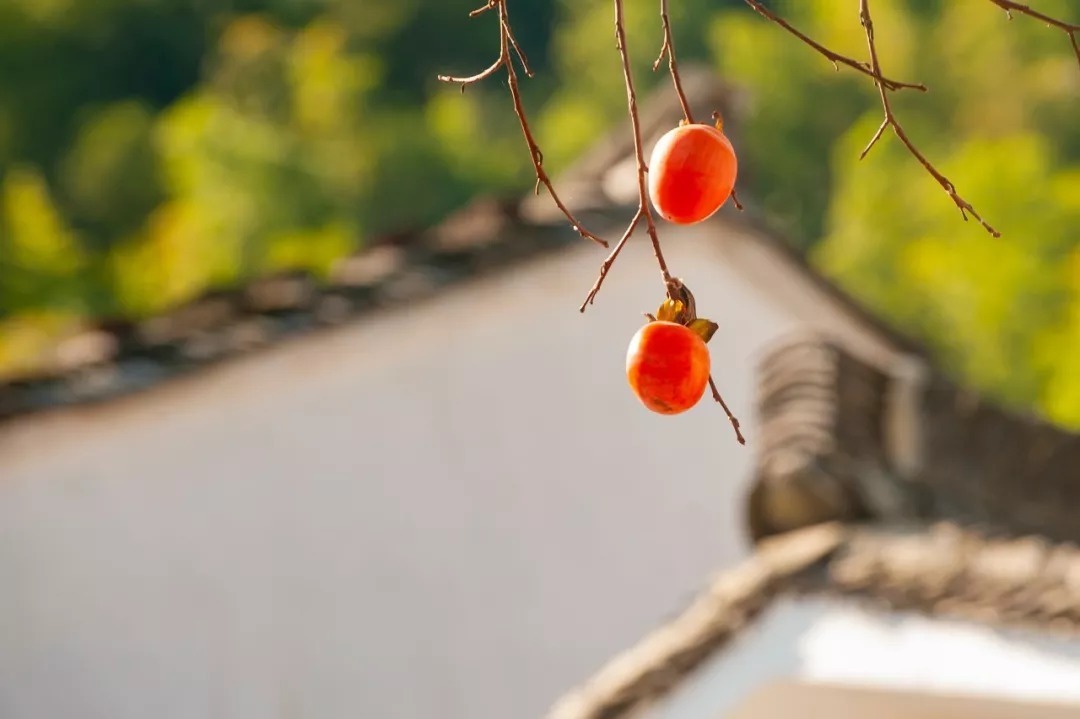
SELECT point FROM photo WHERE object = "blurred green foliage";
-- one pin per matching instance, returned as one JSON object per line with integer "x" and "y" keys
{"x": 153, "y": 149}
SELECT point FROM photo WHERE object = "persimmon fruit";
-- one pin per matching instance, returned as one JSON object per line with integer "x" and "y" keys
{"x": 667, "y": 365}
{"x": 692, "y": 172}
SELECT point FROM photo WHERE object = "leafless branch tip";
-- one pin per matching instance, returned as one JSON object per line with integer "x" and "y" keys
{"x": 1070, "y": 29}
{"x": 834, "y": 57}
{"x": 735, "y": 425}
{"x": 890, "y": 120}
{"x": 508, "y": 49}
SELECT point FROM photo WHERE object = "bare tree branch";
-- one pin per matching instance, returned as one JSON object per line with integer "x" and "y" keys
{"x": 890, "y": 121}
{"x": 731, "y": 417}
{"x": 735, "y": 200}
{"x": 834, "y": 57}
{"x": 631, "y": 100}
{"x": 508, "y": 49}
{"x": 1070, "y": 29}
{"x": 668, "y": 48}
{"x": 674, "y": 288}
{"x": 505, "y": 22}
{"x": 507, "y": 44}
{"x": 482, "y": 75}
{"x": 609, "y": 261}
{"x": 481, "y": 10}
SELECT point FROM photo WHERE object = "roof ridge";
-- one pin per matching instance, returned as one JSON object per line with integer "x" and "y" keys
{"x": 938, "y": 569}
{"x": 732, "y": 601}
{"x": 824, "y": 450}
{"x": 112, "y": 357}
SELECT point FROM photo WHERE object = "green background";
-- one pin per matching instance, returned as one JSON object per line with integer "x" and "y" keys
{"x": 152, "y": 149}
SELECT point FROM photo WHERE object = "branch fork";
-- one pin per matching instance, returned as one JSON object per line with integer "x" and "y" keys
{"x": 1070, "y": 29}
{"x": 679, "y": 299}
{"x": 679, "y": 303}
{"x": 508, "y": 50}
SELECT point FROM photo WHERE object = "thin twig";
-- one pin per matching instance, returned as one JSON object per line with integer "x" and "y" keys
{"x": 609, "y": 261}
{"x": 719, "y": 120}
{"x": 505, "y": 21}
{"x": 834, "y": 57}
{"x": 668, "y": 48}
{"x": 735, "y": 199}
{"x": 890, "y": 121}
{"x": 482, "y": 75}
{"x": 1070, "y": 29}
{"x": 643, "y": 210}
{"x": 481, "y": 10}
{"x": 631, "y": 100}
{"x": 507, "y": 44}
{"x": 731, "y": 417}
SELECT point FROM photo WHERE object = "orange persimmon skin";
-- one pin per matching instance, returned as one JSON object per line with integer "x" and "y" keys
{"x": 692, "y": 172}
{"x": 668, "y": 367}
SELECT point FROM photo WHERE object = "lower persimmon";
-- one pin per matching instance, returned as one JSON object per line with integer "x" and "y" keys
{"x": 667, "y": 365}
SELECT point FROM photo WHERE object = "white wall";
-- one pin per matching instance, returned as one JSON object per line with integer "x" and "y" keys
{"x": 458, "y": 511}
{"x": 835, "y": 643}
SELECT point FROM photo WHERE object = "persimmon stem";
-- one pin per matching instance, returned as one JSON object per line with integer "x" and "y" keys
{"x": 508, "y": 49}
{"x": 735, "y": 425}
{"x": 668, "y": 48}
{"x": 639, "y": 154}
{"x": 890, "y": 121}
{"x": 735, "y": 200}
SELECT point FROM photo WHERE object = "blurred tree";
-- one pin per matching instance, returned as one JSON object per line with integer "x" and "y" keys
{"x": 110, "y": 175}
{"x": 992, "y": 308}
{"x": 40, "y": 256}
{"x": 266, "y": 153}
{"x": 798, "y": 107}
{"x": 1057, "y": 350}
{"x": 985, "y": 303}
{"x": 150, "y": 149}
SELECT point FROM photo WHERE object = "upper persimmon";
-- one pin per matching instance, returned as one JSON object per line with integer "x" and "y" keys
{"x": 692, "y": 172}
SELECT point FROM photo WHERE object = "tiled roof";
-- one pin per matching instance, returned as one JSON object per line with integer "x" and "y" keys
{"x": 884, "y": 487}
{"x": 840, "y": 439}
{"x": 111, "y": 358}
{"x": 935, "y": 570}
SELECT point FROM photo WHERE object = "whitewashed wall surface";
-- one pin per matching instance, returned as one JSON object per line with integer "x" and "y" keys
{"x": 456, "y": 511}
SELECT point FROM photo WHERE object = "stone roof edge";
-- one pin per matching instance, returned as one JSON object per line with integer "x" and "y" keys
{"x": 110, "y": 358}
{"x": 649, "y": 670}
{"x": 840, "y": 439}
{"x": 939, "y": 570}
